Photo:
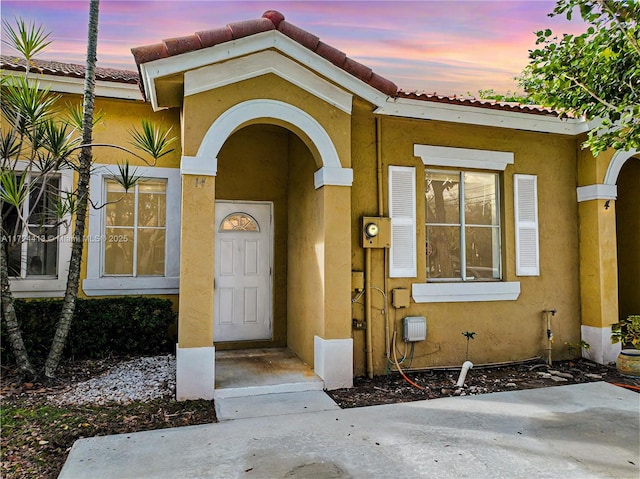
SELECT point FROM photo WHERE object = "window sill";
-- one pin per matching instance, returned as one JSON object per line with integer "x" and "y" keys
{"x": 465, "y": 292}
{"x": 126, "y": 286}
{"x": 38, "y": 288}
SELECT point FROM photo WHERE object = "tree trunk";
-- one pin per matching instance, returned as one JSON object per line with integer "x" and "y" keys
{"x": 84, "y": 174}
{"x": 9, "y": 313}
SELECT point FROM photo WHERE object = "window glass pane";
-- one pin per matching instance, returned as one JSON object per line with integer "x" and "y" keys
{"x": 443, "y": 252}
{"x": 115, "y": 187}
{"x": 152, "y": 186}
{"x": 239, "y": 222}
{"x": 151, "y": 209}
{"x": 42, "y": 201}
{"x": 11, "y": 235}
{"x": 480, "y": 203}
{"x": 481, "y": 247}
{"x": 118, "y": 254}
{"x": 151, "y": 252}
{"x": 120, "y": 205}
{"x": 42, "y": 255}
{"x": 14, "y": 255}
{"x": 442, "y": 197}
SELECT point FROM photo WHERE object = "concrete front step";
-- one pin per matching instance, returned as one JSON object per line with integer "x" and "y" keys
{"x": 263, "y": 405}
{"x": 241, "y": 391}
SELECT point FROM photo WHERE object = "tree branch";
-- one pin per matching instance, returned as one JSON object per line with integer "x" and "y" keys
{"x": 590, "y": 92}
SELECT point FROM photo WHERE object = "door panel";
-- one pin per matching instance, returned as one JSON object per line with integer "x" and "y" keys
{"x": 242, "y": 289}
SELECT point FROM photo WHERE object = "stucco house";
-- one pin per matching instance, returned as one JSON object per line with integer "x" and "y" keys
{"x": 311, "y": 204}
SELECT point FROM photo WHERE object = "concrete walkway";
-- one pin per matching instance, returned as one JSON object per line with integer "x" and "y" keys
{"x": 578, "y": 431}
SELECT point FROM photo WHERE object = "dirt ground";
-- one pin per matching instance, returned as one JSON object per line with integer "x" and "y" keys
{"x": 37, "y": 435}
{"x": 394, "y": 388}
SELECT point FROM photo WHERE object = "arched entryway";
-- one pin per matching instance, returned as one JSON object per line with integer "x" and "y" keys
{"x": 628, "y": 237}
{"x": 272, "y": 153}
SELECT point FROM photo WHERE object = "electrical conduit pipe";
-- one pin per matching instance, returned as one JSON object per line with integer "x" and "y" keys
{"x": 463, "y": 373}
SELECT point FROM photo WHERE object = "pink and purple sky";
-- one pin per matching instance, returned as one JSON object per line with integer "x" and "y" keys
{"x": 449, "y": 47}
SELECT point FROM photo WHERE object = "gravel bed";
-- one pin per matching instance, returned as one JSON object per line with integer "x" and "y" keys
{"x": 140, "y": 379}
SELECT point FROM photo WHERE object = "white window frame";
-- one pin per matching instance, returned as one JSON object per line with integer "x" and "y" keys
{"x": 49, "y": 286}
{"x": 95, "y": 283}
{"x": 464, "y": 158}
{"x": 462, "y": 225}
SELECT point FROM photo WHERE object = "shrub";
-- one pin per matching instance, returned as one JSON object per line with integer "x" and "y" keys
{"x": 100, "y": 327}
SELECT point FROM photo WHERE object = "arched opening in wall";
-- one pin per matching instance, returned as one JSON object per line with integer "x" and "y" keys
{"x": 628, "y": 237}
{"x": 266, "y": 169}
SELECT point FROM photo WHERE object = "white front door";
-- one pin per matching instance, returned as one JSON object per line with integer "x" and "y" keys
{"x": 242, "y": 288}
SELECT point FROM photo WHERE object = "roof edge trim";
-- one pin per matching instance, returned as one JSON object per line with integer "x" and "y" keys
{"x": 245, "y": 46}
{"x": 471, "y": 115}
{"x": 63, "y": 84}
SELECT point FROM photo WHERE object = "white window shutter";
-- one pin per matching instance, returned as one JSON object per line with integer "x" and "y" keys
{"x": 526, "y": 225}
{"x": 402, "y": 210}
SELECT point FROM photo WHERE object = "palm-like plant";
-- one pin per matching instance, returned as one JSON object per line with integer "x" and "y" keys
{"x": 39, "y": 143}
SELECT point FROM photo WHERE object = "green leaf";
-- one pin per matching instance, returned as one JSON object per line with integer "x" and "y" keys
{"x": 26, "y": 38}
{"x": 13, "y": 188}
{"x": 152, "y": 140}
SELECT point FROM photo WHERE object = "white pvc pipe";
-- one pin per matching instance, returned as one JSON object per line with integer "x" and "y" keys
{"x": 463, "y": 373}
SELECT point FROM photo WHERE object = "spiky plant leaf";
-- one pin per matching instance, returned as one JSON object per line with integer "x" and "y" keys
{"x": 153, "y": 140}
{"x": 75, "y": 118}
{"x": 10, "y": 148}
{"x": 13, "y": 188}
{"x": 127, "y": 177}
{"x": 25, "y": 103}
{"x": 27, "y": 38}
{"x": 58, "y": 139}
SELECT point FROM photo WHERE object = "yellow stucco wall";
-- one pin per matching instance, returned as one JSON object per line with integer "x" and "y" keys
{"x": 202, "y": 109}
{"x": 598, "y": 263}
{"x": 506, "y": 330}
{"x": 197, "y": 249}
{"x": 305, "y": 288}
{"x": 318, "y": 238}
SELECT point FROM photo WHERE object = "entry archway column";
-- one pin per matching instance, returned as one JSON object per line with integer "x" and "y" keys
{"x": 598, "y": 271}
{"x": 195, "y": 353}
{"x": 333, "y": 347}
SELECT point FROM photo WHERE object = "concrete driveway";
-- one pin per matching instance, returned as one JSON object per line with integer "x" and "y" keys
{"x": 577, "y": 431}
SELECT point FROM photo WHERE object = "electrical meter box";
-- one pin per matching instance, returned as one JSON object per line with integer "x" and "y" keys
{"x": 376, "y": 232}
{"x": 415, "y": 329}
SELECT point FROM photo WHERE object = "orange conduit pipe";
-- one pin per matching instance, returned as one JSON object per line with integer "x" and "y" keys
{"x": 395, "y": 360}
{"x": 628, "y": 386}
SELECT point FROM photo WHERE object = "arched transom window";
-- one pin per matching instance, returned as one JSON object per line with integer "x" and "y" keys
{"x": 239, "y": 222}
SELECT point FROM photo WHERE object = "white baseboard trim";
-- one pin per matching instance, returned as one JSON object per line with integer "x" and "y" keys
{"x": 601, "y": 350}
{"x": 333, "y": 362}
{"x": 195, "y": 373}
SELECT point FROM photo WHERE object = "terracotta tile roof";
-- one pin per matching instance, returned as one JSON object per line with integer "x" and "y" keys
{"x": 480, "y": 103}
{"x": 270, "y": 20}
{"x": 273, "y": 20}
{"x": 67, "y": 70}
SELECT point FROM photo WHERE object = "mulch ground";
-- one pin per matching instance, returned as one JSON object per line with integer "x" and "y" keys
{"x": 393, "y": 388}
{"x": 37, "y": 436}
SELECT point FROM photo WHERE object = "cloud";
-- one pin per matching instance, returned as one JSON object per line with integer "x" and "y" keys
{"x": 416, "y": 44}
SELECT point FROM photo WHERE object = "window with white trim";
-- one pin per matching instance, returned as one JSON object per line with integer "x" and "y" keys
{"x": 462, "y": 223}
{"x": 38, "y": 262}
{"x": 134, "y": 238}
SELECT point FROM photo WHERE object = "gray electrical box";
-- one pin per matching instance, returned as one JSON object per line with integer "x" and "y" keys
{"x": 415, "y": 329}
